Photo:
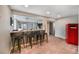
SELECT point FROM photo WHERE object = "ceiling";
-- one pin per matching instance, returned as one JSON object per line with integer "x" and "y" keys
{"x": 54, "y": 11}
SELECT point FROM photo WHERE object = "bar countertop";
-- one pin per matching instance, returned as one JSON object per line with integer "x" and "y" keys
{"x": 24, "y": 30}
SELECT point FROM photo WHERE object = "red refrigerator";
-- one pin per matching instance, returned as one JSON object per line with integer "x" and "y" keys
{"x": 72, "y": 34}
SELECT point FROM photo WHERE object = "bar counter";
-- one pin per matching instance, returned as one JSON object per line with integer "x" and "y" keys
{"x": 25, "y": 31}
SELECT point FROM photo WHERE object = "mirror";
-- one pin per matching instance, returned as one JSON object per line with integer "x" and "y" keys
{"x": 26, "y": 23}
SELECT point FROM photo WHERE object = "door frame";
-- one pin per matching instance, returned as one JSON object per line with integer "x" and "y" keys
{"x": 53, "y": 28}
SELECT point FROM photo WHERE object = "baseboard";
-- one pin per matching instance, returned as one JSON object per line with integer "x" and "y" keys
{"x": 60, "y": 37}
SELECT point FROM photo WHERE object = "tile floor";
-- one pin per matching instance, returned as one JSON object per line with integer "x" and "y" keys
{"x": 54, "y": 46}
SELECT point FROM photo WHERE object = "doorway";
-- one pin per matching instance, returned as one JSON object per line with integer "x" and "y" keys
{"x": 51, "y": 28}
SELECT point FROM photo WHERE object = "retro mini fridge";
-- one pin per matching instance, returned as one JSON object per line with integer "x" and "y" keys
{"x": 72, "y": 34}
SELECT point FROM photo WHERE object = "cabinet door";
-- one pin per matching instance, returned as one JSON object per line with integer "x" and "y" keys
{"x": 71, "y": 35}
{"x": 76, "y": 36}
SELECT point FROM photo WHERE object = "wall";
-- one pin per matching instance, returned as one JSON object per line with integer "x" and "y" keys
{"x": 60, "y": 26}
{"x": 4, "y": 29}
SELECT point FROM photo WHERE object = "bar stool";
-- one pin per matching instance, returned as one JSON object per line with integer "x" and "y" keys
{"x": 41, "y": 36}
{"x": 46, "y": 37}
{"x": 22, "y": 39}
{"x": 16, "y": 39}
{"x": 28, "y": 36}
{"x": 33, "y": 34}
{"x": 38, "y": 37}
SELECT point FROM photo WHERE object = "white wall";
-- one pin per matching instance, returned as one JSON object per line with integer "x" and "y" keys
{"x": 60, "y": 26}
{"x": 4, "y": 29}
